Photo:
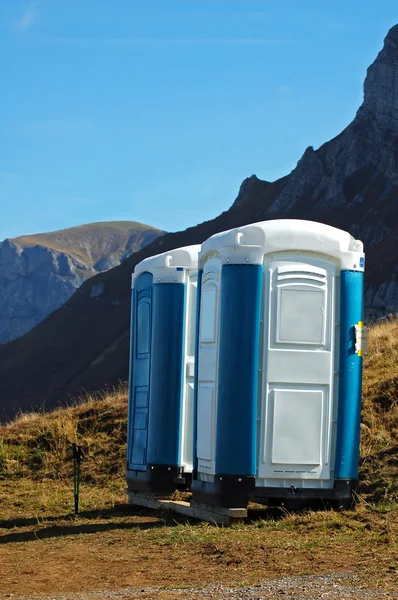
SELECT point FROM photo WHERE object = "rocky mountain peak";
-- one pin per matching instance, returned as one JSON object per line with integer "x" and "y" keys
{"x": 250, "y": 187}
{"x": 381, "y": 85}
{"x": 390, "y": 44}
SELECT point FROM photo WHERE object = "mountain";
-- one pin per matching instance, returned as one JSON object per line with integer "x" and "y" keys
{"x": 350, "y": 182}
{"x": 39, "y": 273}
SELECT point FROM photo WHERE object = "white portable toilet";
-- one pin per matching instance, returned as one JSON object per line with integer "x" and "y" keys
{"x": 278, "y": 364}
{"x": 162, "y": 348}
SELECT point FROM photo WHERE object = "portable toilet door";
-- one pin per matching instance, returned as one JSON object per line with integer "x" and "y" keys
{"x": 162, "y": 347}
{"x": 278, "y": 397}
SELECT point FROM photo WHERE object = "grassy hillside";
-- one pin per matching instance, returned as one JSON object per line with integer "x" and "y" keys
{"x": 379, "y": 429}
{"x": 111, "y": 545}
{"x": 35, "y": 446}
{"x": 94, "y": 241}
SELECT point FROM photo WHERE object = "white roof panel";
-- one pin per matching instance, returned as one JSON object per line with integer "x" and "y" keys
{"x": 249, "y": 243}
{"x": 163, "y": 266}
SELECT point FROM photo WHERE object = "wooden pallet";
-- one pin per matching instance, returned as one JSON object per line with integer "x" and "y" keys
{"x": 193, "y": 509}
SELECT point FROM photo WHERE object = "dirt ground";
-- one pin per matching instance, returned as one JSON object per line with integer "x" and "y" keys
{"x": 132, "y": 550}
{"x": 339, "y": 586}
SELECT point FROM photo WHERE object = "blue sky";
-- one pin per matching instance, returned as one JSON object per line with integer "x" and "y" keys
{"x": 156, "y": 110}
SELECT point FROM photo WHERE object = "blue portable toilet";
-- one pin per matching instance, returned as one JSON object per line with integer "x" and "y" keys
{"x": 162, "y": 348}
{"x": 278, "y": 365}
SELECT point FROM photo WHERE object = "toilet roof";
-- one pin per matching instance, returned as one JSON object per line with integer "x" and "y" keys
{"x": 186, "y": 258}
{"x": 249, "y": 243}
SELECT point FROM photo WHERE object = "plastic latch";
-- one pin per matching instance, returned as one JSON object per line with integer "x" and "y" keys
{"x": 190, "y": 368}
{"x": 361, "y": 339}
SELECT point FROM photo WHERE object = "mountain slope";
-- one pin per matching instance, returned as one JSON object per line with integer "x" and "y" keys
{"x": 350, "y": 182}
{"x": 99, "y": 423}
{"x": 38, "y": 273}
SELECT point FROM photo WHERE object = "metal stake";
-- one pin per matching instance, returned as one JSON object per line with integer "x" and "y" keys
{"x": 78, "y": 457}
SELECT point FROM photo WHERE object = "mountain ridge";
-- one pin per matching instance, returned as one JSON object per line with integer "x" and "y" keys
{"x": 350, "y": 182}
{"x": 39, "y": 272}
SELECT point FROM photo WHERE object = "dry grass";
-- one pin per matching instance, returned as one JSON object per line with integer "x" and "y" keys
{"x": 40, "y": 539}
{"x": 379, "y": 429}
{"x": 37, "y": 446}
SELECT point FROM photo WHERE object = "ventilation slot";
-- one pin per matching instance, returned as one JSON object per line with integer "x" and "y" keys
{"x": 302, "y": 277}
{"x": 206, "y": 467}
{"x": 290, "y": 472}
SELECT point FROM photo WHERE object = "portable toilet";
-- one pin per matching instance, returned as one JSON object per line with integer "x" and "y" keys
{"x": 278, "y": 365}
{"x": 162, "y": 348}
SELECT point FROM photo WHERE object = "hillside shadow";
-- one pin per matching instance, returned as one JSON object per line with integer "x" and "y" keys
{"x": 66, "y": 530}
{"x": 26, "y": 522}
{"x": 76, "y": 526}
{"x": 70, "y": 524}
{"x": 120, "y": 510}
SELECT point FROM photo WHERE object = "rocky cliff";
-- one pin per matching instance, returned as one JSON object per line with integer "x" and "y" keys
{"x": 39, "y": 273}
{"x": 350, "y": 182}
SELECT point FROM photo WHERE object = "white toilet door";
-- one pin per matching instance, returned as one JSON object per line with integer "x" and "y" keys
{"x": 207, "y": 371}
{"x": 188, "y": 392}
{"x": 297, "y": 397}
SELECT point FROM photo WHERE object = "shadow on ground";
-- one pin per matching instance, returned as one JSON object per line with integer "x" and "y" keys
{"x": 76, "y": 524}
{"x": 107, "y": 520}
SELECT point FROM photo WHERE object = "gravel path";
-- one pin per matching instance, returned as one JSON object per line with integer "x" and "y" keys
{"x": 339, "y": 586}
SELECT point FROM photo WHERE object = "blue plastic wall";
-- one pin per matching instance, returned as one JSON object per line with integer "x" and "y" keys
{"x": 350, "y": 385}
{"x": 140, "y": 361}
{"x": 196, "y": 374}
{"x": 130, "y": 391}
{"x": 167, "y": 373}
{"x": 238, "y": 370}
